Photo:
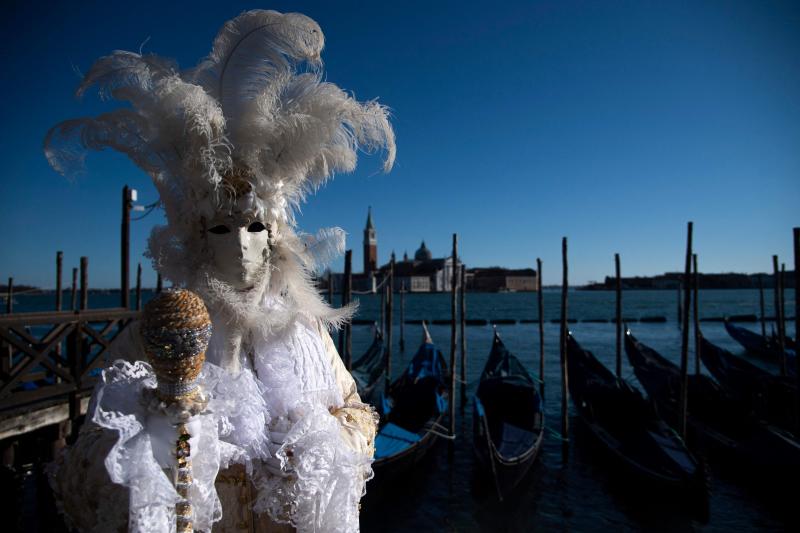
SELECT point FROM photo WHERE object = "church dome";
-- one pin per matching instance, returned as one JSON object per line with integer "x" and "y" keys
{"x": 423, "y": 254}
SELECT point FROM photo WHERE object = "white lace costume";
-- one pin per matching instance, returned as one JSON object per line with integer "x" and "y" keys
{"x": 300, "y": 378}
{"x": 246, "y": 135}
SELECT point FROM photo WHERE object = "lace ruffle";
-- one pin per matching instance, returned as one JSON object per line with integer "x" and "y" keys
{"x": 326, "y": 477}
{"x": 231, "y": 429}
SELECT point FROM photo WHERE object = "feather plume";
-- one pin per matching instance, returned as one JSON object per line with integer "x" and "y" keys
{"x": 253, "y": 50}
{"x": 324, "y": 247}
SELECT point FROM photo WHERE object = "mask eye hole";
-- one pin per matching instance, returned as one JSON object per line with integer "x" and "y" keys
{"x": 219, "y": 230}
{"x": 255, "y": 227}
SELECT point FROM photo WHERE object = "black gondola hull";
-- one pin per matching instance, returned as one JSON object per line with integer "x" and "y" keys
{"x": 628, "y": 429}
{"x": 509, "y": 471}
{"x": 769, "y": 398}
{"x": 508, "y": 420}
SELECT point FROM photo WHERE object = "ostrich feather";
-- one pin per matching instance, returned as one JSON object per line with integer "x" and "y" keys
{"x": 65, "y": 144}
{"x": 253, "y": 50}
{"x": 126, "y": 75}
{"x": 324, "y": 247}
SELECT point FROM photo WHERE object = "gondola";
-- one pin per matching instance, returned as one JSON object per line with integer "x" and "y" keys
{"x": 368, "y": 369}
{"x": 770, "y": 398}
{"x": 716, "y": 421}
{"x": 714, "y": 418}
{"x": 411, "y": 412}
{"x": 508, "y": 420}
{"x": 763, "y": 347}
{"x": 627, "y": 426}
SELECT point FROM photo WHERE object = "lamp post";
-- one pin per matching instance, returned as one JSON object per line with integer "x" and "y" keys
{"x": 128, "y": 197}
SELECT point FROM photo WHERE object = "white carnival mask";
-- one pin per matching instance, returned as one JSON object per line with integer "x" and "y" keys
{"x": 239, "y": 248}
{"x": 238, "y": 242}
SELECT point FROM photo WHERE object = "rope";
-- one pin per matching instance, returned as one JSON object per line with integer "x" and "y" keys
{"x": 150, "y": 208}
{"x": 490, "y": 450}
{"x": 556, "y": 434}
{"x": 378, "y": 286}
{"x": 442, "y": 435}
{"x": 441, "y": 431}
{"x": 440, "y": 427}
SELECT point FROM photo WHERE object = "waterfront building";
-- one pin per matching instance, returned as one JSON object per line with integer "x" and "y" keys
{"x": 498, "y": 279}
{"x": 424, "y": 273}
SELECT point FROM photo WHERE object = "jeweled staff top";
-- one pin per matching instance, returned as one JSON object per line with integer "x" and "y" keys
{"x": 176, "y": 329}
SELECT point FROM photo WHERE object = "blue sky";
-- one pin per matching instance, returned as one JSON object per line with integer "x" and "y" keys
{"x": 611, "y": 123}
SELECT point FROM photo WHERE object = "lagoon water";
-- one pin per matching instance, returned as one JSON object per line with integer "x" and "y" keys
{"x": 584, "y": 493}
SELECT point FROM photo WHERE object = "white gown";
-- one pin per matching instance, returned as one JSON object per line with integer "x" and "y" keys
{"x": 298, "y": 406}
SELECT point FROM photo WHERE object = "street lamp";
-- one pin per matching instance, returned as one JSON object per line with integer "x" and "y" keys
{"x": 129, "y": 196}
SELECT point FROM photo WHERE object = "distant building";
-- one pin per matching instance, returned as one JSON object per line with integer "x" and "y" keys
{"x": 423, "y": 273}
{"x": 497, "y": 279}
{"x": 366, "y": 280}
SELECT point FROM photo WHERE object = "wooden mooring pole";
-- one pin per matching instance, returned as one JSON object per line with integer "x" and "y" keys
{"x": 388, "y": 351}
{"x": 8, "y": 357}
{"x": 382, "y": 309}
{"x": 687, "y": 294}
{"x": 761, "y": 305}
{"x": 342, "y": 303}
{"x": 74, "y": 295}
{"x": 84, "y": 283}
{"x": 563, "y": 348}
{"x": 389, "y": 308}
{"x": 125, "y": 249}
{"x": 618, "y": 315}
{"x": 348, "y": 294}
{"x": 453, "y": 311}
{"x": 463, "y": 332}
{"x": 540, "y": 307}
{"x": 139, "y": 287}
{"x": 696, "y": 313}
{"x": 10, "y": 296}
{"x": 403, "y": 317}
{"x": 796, "y": 242}
{"x": 59, "y": 268}
{"x": 59, "y": 300}
{"x": 330, "y": 287}
{"x": 783, "y": 317}
{"x": 159, "y": 283}
{"x": 778, "y": 318}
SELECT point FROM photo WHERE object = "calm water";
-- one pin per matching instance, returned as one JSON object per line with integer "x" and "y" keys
{"x": 581, "y": 494}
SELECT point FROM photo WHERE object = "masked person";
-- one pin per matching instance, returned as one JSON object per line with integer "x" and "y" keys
{"x": 233, "y": 146}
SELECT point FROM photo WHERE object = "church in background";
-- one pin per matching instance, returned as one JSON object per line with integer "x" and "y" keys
{"x": 424, "y": 273}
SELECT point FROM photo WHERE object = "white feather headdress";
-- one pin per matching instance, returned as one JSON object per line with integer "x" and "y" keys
{"x": 257, "y": 102}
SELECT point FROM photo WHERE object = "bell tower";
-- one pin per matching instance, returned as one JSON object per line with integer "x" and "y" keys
{"x": 370, "y": 245}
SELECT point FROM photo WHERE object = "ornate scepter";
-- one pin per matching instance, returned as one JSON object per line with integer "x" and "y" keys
{"x": 176, "y": 329}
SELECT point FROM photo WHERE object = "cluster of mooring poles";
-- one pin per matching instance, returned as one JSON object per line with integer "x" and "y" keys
{"x": 128, "y": 198}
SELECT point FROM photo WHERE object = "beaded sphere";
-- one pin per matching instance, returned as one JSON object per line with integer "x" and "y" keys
{"x": 176, "y": 329}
